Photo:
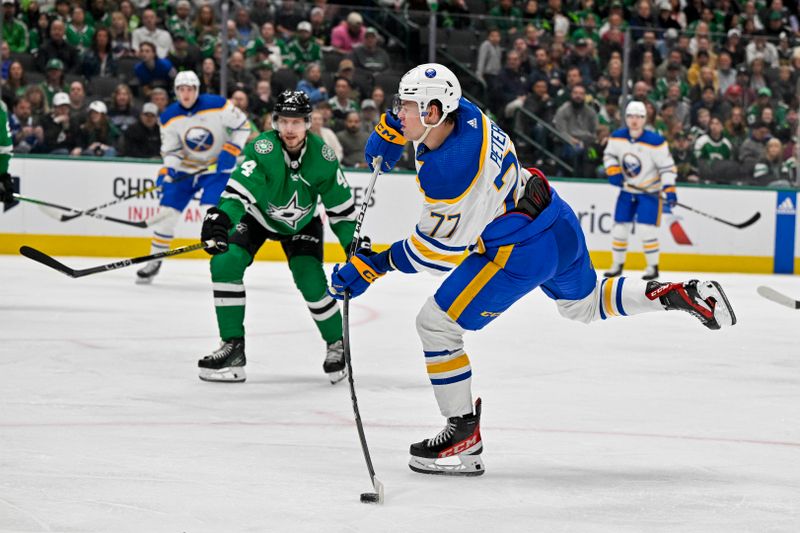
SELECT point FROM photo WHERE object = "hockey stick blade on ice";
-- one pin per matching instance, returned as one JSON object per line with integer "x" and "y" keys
{"x": 43, "y": 258}
{"x": 749, "y": 222}
{"x": 92, "y": 210}
{"x": 778, "y": 297}
{"x": 377, "y": 496}
{"x": 98, "y": 216}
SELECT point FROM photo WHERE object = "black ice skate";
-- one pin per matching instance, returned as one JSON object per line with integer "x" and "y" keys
{"x": 144, "y": 276}
{"x": 704, "y": 300}
{"x": 224, "y": 364}
{"x": 650, "y": 273}
{"x": 334, "y": 362}
{"x": 455, "y": 451}
{"x": 615, "y": 271}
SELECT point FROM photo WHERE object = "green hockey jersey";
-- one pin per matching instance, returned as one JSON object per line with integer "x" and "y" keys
{"x": 284, "y": 199}
{"x": 6, "y": 144}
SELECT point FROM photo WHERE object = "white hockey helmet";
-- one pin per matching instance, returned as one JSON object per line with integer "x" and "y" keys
{"x": 187, "y": 77}
{"x": 636, "y": 108}
{"x": 429, "y": 82}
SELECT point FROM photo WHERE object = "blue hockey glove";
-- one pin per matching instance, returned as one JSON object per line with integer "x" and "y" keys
{"x": 387, "y": 141}
{"x": 356, "y": 276}
{"x": 670, "y": 195}
{"x": 226, "y": 161}
{"x": 166, "y": 175}
{"x": 616, "y": 179}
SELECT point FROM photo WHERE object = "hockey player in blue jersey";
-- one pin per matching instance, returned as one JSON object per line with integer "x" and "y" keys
{"x": 201, "y": 137}
{"x": 638, "y": 161}
{"x": 516, "y": 233}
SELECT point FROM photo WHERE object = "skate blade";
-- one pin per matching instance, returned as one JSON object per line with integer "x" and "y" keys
{"x": 230, "y": 374}
{"x": 723, "y": 311}
{"x": 461, "y": 465}
{"x": 337, "y": 376}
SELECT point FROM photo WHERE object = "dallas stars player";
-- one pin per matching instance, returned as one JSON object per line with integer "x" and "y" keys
{"x": 273, "y": 195}
{"x": 6, "y": 148}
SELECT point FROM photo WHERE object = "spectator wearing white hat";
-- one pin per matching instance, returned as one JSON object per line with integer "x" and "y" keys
{"x": 143, "y": 139}
{"x": 61, "y": 134}
{"x": 97, "y": 134}
{"x": 302, "y": 50}
{"x": 348, "y": 33}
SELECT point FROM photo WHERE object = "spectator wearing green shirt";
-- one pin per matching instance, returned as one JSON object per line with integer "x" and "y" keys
{"x": 54, "y": 79}
{"x": 181, "y": 22}
{"x": 15, "y": 33}
{"x": 506, "y": 17}
{"x": 303, "y": 50}
{"x": 79, "y": 33}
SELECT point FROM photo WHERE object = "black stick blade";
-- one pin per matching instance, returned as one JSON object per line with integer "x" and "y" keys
{"x": 43, "y": 258}
{"x": 752, "y": 220}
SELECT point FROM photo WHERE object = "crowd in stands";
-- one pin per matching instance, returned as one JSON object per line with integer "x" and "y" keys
{"x": 92, "y": 77}
{"x": 720, "y": 78}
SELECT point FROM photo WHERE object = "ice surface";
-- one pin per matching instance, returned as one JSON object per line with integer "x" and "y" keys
{"x": 650, "y": 423}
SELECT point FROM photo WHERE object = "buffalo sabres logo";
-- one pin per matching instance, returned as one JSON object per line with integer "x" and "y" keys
{"x": 430, "y": 73}
{"x": 631, "y": 165}
{"x": 290, "y": 214}
{"x": 263, "y": 146}
{"x": 198, "y": 139}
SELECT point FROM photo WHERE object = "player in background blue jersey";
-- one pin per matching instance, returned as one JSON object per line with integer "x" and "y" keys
{"x": 516, "y": 233}
{"x": 201, "y": 137}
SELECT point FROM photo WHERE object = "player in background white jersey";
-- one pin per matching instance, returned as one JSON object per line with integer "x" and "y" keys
{"x": 500, "y": 231}
{"x": 635, "y": 157}
{"x": 201, "y": 137}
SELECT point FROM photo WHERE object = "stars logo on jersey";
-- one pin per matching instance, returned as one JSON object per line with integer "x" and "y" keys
{"x": 328, "y": 153}
{"x": 290, "y": 214}
{"x": 263, "y": 146}
{"x": 473, "y": 122}
{"x": 631, "y": 165}
{"x": 198, "y": 139}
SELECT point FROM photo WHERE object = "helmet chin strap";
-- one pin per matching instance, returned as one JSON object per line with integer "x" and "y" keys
{"x": 429, "y": 127}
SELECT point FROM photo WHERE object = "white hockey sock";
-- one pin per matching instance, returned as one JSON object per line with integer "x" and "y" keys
{"x": 649, "y": 235}
{"x": 445, "y": 360}
{"x": 619, "y": 242}
{"x": 164, "y": 229}
{"x": 623, "y": 297}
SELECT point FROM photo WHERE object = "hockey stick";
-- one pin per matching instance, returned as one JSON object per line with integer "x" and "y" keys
{"x": 377, "y": 496}
{"x": 99, "y": 216}
{"x": 749, "y": 222}
{"x": 778, "y": 297}
{"x": 43, "y": 258}
{"x": 92, "y": 210}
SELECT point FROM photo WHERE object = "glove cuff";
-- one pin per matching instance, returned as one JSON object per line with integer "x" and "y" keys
{"x": 669, "y": 189}
{"x": 388, "y": 133}
{"x": 366, "y": 270}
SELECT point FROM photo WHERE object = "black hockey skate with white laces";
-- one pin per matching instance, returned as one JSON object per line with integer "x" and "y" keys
{"x": 224, "y": 364}
{"x": 145, "y": 275}
{"x": 455, "y": 451}
{"x": 334, "y": 362}
{"x": 704, "y": 300}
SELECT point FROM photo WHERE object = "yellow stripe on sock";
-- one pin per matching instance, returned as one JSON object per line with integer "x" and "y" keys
{"x": 608, "y": 289}
{"x": 459, "y": 362}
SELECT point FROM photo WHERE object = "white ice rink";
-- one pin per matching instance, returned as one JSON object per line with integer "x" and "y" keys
{"x": 650, "y": 423}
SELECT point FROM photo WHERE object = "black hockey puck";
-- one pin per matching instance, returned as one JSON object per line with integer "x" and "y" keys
{"x": 370, "y": 497}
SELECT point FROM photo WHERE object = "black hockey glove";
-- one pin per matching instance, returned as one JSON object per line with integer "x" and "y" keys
{"x": 216, "y": 226}
{"x": 364, "y": 247}
{"x": 536, "y": 196}
{"x": 6, "y": 188}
